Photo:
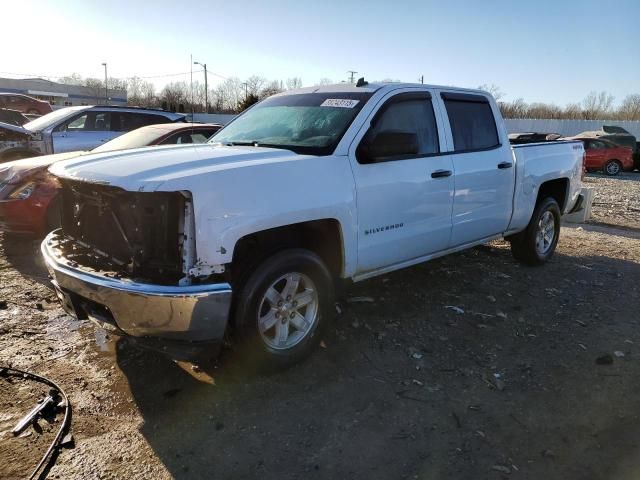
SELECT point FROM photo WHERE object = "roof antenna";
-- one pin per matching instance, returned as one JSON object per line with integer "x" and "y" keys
{"x": 361, "y": 82}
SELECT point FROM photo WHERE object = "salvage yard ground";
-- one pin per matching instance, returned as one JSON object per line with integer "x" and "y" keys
{"x": 467, "y": 367}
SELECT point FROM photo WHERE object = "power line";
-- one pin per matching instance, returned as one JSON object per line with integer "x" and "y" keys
{"x": 164, "y": 75}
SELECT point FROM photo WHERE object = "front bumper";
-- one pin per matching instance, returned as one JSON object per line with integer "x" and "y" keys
{"x": 165, "y": 315}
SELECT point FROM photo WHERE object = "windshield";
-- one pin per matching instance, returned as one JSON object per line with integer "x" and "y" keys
{"x": 50, "y": 119}
{"x": 140, "y": 137}
{"x": 311, "y": 123}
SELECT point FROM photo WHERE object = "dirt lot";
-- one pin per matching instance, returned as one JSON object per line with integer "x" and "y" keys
{"x": 505, "y": 385}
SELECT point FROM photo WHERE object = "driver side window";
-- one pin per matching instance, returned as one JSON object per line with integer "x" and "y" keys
{"x": 404, "y": 128}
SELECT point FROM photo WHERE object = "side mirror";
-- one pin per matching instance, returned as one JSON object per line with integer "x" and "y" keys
{"x": 387, "y": 144}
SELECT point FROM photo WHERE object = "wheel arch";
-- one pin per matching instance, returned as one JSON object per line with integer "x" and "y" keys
{"x": 325, "y": 237}
{"x": 557, "y": 189}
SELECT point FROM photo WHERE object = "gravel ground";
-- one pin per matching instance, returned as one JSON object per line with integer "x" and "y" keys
{"x": 531, "y": 375}
{"x": 617, "y": 200}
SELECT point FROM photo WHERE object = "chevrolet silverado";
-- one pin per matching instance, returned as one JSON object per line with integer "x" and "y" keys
{"x": 247, "y": 237}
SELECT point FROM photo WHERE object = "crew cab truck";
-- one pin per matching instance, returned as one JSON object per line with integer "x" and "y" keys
{"x": 249, "y": 234}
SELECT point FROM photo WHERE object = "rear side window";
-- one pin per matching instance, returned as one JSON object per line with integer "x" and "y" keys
{"x": 128, "y": 121}
{"x": 197, "y": 136}
{"x": 473, "y": 125}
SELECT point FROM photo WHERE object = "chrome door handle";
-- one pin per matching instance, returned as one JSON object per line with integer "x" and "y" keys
{"x": 441, "y": 173}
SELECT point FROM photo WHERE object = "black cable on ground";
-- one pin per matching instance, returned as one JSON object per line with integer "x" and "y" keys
{"x": 66, "y": 421}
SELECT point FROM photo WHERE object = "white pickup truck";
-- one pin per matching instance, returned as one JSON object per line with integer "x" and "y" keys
{"x": 182, "y": 246}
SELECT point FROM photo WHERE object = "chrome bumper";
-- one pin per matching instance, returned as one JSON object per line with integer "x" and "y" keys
{"x": 195, "y": 313}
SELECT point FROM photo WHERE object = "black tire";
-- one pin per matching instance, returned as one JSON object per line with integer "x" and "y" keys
{"x": 612, "y": 168}
{"x": 523, "y": 244}
{"x": 256, "y": 351}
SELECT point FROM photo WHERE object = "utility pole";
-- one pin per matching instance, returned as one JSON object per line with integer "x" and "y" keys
{"x": 206, "y": 86}
{"x": 351, "y": 75}
{"x": 421, "y": 78}
{"x": 246, "y": 90}
{"x": 106, "y": 91}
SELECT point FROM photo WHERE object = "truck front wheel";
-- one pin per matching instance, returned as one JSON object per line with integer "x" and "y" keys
{"x": 536, "y": 244}
{"x": 282, "y": 310}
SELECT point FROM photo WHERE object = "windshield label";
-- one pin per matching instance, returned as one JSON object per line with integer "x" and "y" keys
{"x": 339, "y": 102}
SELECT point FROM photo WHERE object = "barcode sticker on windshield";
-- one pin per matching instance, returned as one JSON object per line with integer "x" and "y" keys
{"x": 339, "y": 102}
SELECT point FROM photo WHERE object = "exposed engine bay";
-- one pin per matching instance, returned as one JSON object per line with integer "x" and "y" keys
{"x": 139, "y": 235}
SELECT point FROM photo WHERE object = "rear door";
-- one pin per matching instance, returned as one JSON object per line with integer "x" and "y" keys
{"x": 404, "y": 201}
{"x": 483, "y": 166}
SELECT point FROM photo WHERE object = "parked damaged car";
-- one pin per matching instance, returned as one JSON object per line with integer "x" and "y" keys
{"x": 75, "y": 128}
{"x": 29, "y": 194}
{"x": 24, "y": 103}
{"x": 12, "y": 117}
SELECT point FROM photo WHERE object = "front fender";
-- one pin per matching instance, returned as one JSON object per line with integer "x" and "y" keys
{"x": 233, "y": 203}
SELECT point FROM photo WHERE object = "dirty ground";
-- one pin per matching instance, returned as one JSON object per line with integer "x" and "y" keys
{"x": 467, "y": 367}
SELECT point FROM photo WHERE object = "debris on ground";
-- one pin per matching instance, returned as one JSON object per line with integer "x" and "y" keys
{"x": 454, "y": 308}
{"x": 126, "y": 429}
{"x": 501, "y": 468}
{"x": 361, "y": 300}
{"x": 604, "y": 360}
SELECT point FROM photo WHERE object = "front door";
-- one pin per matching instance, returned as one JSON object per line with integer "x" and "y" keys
{"x": 83, "y": 132}
{"x": 484, "y": 169}
{"x": 404, "y": 187}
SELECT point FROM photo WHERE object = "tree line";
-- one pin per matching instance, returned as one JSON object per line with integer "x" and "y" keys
{"x": 595, "y": 106}
{"x": 234, "y": 95}
{"x": 231, "y": 96}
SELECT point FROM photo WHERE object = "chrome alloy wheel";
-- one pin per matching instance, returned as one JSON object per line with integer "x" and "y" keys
{"x": 546, "y": 233}
{"x": 288, "y": 311}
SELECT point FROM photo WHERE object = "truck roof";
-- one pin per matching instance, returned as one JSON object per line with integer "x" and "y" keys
{"x": 373, "y": 87}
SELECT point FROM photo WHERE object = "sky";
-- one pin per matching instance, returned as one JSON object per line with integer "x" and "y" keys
{"x": 549, "y": 51}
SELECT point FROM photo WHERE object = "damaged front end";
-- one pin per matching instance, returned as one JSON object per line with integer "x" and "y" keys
{"x": 139, "y": 235}
{"x": 18, "y": 142}
{"x": 123, "y": 258}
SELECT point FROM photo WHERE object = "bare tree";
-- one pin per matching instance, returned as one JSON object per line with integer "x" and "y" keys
{"x": 293, "y": 83}
{"x": 96, "y": 89}
{"x": 325, "y": 81}
{"x": 254, "y": 85}
{"x": 73, "y": 79}
{"x": 228, "y": 95}
{"x": 271, "y": 88}
{"x": 148, "y": 94}
{"x": 630, "y": 108}
{"x": 175, "y": 96}
{"x": 596, "y": 105}
{"x": 494, "y": 90}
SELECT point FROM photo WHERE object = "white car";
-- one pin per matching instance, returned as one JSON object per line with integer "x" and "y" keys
{"x": 249, "y": 234}
{"x": 75, "y": 128}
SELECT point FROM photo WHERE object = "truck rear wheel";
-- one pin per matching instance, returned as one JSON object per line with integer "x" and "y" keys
{"x": 283, "y": 308}
{"x": 537, "y": 243}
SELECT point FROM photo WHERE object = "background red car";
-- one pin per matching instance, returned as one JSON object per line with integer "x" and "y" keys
{"x": 24, "y": 103}
{"x": 606, "y": 156}
{"x": 28, "y": 193}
